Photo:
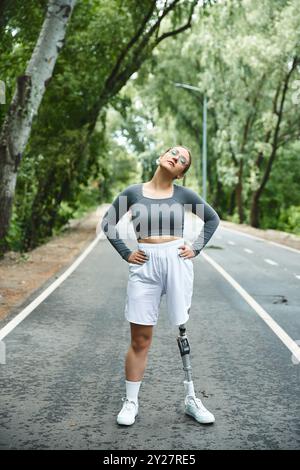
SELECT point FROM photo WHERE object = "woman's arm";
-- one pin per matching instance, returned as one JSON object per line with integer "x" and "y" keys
{"x": 209, "y": 216}
{"x": 115, "y": 212}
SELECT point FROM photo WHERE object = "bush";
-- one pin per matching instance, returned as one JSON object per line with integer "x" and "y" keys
{"x": 289, "y": 220}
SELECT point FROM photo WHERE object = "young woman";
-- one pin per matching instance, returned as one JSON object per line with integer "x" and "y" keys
{"x": 162, "y": 264}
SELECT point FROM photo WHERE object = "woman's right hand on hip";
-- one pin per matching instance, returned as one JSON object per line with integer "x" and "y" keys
{"x": 137, "y": 257}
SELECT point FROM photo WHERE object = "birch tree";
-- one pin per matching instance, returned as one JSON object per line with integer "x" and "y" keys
{"x": 26, "y": 100}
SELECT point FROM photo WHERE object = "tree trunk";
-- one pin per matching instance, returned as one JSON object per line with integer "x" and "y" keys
{"x": 239, "y": 193}
{"x": 254, "y": 214}
{"x": 218, "y": 194}
{"x": 26, "y": 101}
{"x": 232, "y": 199}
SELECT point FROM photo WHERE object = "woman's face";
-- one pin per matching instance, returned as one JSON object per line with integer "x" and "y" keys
{"x": 175, "y": 160}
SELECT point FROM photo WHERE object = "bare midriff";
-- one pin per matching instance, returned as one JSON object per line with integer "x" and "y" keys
{"x": 158, "y": 239}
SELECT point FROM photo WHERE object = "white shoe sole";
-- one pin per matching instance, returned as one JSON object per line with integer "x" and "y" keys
{"x": 123, "y": 423}
{"x": 208, "y": 421}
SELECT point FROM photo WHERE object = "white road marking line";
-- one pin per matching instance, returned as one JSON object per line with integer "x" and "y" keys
{"x": 248, "y": 250}
{"x": 282, "y": 335}
{"x": 230, "y": 242}
{"x": 261, "y": 239}
{"x": 270, "y": 261}
{"x": 297, "y": 276}
{"x": 27, "y": 310}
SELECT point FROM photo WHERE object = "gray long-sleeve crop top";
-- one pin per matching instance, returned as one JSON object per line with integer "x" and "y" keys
{"x": 161, "y": 216}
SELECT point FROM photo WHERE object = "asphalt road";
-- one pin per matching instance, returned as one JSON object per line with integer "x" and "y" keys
{"x": 63, "y": 380}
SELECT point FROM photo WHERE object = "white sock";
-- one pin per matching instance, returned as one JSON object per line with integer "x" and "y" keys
{"x": 189, "y": 388}
{"x": 132, "y": 390}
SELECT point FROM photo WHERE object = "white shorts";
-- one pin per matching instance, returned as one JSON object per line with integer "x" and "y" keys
{"x": 165, "y": 272}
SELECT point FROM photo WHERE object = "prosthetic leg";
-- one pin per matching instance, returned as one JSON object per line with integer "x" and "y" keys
{"x": 193, "y": 405}
{"x": 184, "y": 349}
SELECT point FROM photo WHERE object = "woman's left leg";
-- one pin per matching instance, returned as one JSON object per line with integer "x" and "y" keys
{"x": 180, "y": 279}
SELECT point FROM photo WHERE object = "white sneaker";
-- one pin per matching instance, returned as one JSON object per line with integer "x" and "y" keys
{"x": 128, "y": 412}
{"x": 195, "y": 408}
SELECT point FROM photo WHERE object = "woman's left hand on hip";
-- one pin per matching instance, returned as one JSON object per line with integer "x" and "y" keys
{"x": 186, "y": 252}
